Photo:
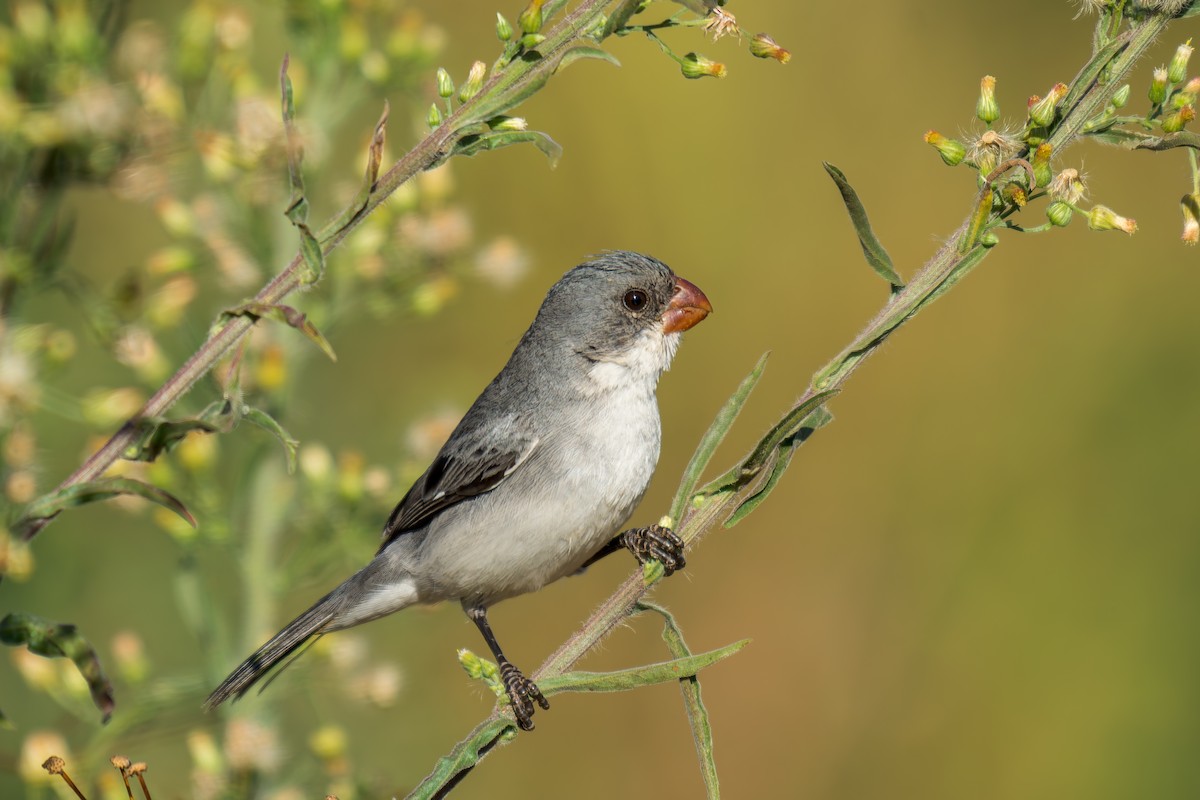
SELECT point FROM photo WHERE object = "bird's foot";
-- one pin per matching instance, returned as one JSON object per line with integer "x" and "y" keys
{"x": 656, "y": 542}
{"x": 521, "y": 694}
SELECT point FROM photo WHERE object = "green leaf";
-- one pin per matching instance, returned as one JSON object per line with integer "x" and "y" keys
{"x": 584, "y": 51}
{"x": 693, "y": 703}
{"x": 285, "y": 314}
{"x": 314, "y": 256}
{"x": 819, "y": 418}
{"x": 625, "y": 679}
{"x": 297, "y": 209}
{"x": 60, "y": 640}
{"x": 494, "y": 140}
{"x": 713, "y": 437}
{"x": 877, "y": 257}
{"x": 265, "y": 421}
{"x": 51, "y": 505}
{"x": 793, "y": 422}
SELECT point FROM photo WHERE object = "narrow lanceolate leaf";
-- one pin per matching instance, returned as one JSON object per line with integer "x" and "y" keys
{"x": 978, "y": 221}
{"x": 713, "y": 437}
{"x": 59, "y": 640}
{"x": 51, "y": 505}
{"x": 265, "y": 421}
{"x": 371, "y": 174}
{"x": 697, "y": 713}
{"x": 1132, "y": 140}
{"x": 819, "y": 418}
{"x": 494, "y": 140}
{"x": 297, "y": 210}
{"x": 625, "y": 679}
{"x": 793, "y": 422}
{"x": 288, "y": 316}
{"x": 161, "y": 436}
{"x": 584, "y": 51}
{"x": 877, "y": 257}
{"x": 463, "y": 758}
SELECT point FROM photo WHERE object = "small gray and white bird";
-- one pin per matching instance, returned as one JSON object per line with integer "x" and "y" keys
{"x": 537, "y": 478}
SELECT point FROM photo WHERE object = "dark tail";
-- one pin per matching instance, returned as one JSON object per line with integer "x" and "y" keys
{"x": 309, "y": 624}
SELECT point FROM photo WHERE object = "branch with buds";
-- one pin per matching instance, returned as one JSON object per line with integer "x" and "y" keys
{"x": 1013, "y": 171}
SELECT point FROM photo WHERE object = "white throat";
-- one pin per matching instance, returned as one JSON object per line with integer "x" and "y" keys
{"x": 638, "y": 366}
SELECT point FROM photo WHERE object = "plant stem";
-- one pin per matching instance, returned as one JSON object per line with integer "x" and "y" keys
{"x": 936, "y": 277}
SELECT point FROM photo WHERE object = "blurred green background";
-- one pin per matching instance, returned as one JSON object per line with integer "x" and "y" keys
{"x": 980, "y": 581}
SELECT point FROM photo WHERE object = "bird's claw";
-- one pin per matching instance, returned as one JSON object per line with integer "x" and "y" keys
{"x": 521, "y": 694}
{"x": 656, "y": 542}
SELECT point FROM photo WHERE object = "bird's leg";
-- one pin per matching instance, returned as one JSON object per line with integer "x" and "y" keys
{"x": 654, "y": 542}
{"x": 521, "y": 691}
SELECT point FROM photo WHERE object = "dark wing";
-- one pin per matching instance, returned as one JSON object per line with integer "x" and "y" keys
{"x": 471, "y": 462}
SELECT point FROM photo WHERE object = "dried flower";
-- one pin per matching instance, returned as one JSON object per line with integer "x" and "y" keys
{"x": 1068, "y": 186}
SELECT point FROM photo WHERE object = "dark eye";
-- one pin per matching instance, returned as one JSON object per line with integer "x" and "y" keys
{"x": 635, "y": 300}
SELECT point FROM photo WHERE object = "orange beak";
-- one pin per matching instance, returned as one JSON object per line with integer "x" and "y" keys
{"x": 687, "y": 307}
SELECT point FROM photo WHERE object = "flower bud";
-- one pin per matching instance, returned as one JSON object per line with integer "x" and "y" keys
{"x": 1190, "y": 205}
{"x": 694, "y": 65}
{"x": 1121, "y": 97}
{"x": 989, "y": 239}
{"x": 471, "y": 663}
{"x": 952, "y": 151}
{"x": 987, "y": 109}
{"x": 1059, "y": 213}
{"x": 1040, "y": 161}
{"x": 1158, "y": 87}
{"x": 508, "y": 124}
{"x": 474, "y": 82}
{"x": 504, "y": 30}
{"x": 1177, "y": 69}
{"x": 1043, "y": 109}
{"x": 1173, "y": 123}
{"x": 763, "y": 46}
{"x": 434, "y": 117}
{"x": 445, "y": 85}
{"x": 530, "y": 20}
{"x": 1103, "y": 218}
{"x": 530, "y": 41}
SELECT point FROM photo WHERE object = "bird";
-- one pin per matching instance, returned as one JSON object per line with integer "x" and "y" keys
{"x": 539, "y": 475}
